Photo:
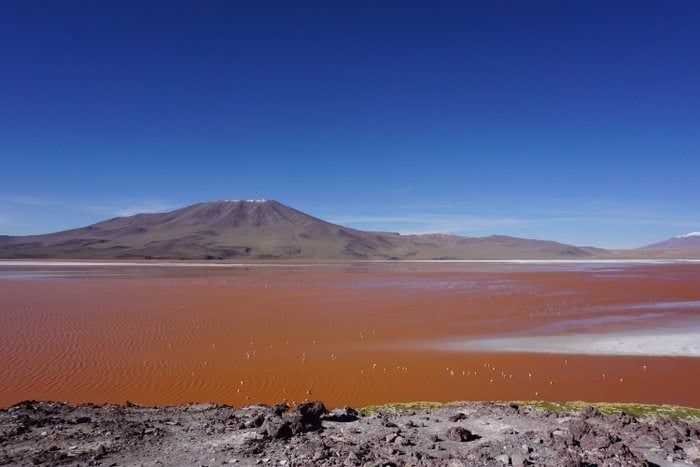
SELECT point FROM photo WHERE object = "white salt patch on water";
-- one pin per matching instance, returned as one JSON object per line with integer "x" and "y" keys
{"x": 583, "y": 324}
{"x": 654, "y": 342}
{"x": 661, "y": 305}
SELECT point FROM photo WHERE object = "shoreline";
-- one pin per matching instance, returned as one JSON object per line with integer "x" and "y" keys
{"x": 322, "y": 262}
{"x": 455, "y": 434}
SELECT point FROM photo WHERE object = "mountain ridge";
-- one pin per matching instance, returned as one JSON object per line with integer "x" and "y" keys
{"x": 267, "y": 229}
{"x": 680, "y": 242}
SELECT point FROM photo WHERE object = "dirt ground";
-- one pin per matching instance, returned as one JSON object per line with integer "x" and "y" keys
{"x": 51, "y": 433}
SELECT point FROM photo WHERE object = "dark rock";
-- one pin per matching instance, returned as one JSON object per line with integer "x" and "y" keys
{"x": 256, "y": 422}
{"x": 590, "y": 412}
{"x": 306, "y": 417}
{"x": 622, "y": 452}
{"x": 280, "y": 408}
{"x": 624, "y": 419}
{"x": 457, "y": 417}
{"x": 578, "y": 428}
{"x": 276, "y": 428}
{"x": 253, "y": 446}
{"x": 313, "y": 410}
{"x": 420, "y": 456}
{"x": 102, "y": 452}
{"x": 596, "y": 441}
{"x": 295, "y": 422}
{"x": 511, "y": 409}
{"x": 458, "y": 433}
{"x": 388, "y": 423}
{"x": 346, "y": 414}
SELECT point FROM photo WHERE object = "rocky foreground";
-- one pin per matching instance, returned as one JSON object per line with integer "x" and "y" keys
{"x": 50, "y": 433}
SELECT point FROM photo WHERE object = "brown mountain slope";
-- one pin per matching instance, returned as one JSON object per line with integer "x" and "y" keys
{"x": 683, "y": 246}
{"x": 682, "y": 242}
{"x": 265, "y": 229}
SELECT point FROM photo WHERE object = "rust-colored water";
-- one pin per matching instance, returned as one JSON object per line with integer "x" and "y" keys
{"x": 352, "y": 333}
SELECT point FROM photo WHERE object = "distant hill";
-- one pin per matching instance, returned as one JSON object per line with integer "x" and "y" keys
{"x": 266, "y": 229}
{"x": 681, "y": 242}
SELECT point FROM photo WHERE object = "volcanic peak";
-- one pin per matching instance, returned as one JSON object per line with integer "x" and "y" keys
{"x": 243, "y": 200}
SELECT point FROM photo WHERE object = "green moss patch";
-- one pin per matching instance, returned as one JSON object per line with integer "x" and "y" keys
{"x": 641, "y": 411}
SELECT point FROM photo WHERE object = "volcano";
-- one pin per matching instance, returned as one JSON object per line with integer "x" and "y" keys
{"x": 265, "y": 229}
{"x": 688, "y": 241}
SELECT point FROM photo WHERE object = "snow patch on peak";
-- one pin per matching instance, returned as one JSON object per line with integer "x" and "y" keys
{"x": 246, "y": 200}
{"x": 691, "y": 234}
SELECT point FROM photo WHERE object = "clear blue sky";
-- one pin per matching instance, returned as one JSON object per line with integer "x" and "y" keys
{"x": 576, "y": 121}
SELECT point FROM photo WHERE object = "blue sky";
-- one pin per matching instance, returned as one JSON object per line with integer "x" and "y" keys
{"x": 576, "y": 121}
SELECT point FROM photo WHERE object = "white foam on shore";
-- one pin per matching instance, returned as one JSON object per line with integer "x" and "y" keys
{"x": 654, "y": 342}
